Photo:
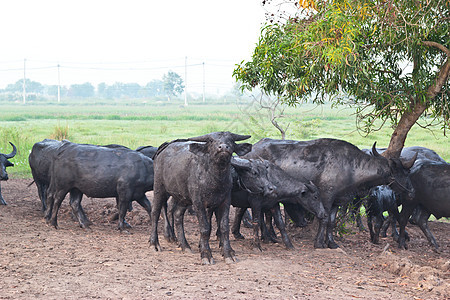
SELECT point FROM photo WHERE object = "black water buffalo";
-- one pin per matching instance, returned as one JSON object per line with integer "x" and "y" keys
{"x": 383, "y": 198}
{"x": 99, "y": 172}
{"x": 249, "y": 176}
{"x": 339, "y": 169}
{"x": 197, "y": 172}
{"x": 40, "y": 159}
{"x": 288, "y": 190}
{"x": 4, "y": 163}
{"x": 431, "y": 181}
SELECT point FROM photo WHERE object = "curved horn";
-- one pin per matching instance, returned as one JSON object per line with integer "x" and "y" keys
{"x": 240, "y": 163}
{"x": 13, "y": 153}
{"x": 374, "y": 150}
{"x": 238, "y": 137}
{"x": 202, "y": 138}
{"x": 409, "y": 163}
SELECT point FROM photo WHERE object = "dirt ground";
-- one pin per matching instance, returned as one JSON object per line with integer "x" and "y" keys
{"x": 38, "y": 261}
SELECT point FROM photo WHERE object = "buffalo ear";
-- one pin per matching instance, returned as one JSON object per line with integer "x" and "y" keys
{"x": 9, "y": 164}
{"x": 198, "y": 148}
{"x": 242, "y": 149}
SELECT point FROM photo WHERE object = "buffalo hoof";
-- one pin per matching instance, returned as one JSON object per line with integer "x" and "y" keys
{"x": 155, "y": 246}
{"x": 85, "y": 226}
{"x": 289, "y": 245}
{"x": 238, "y": 236}
{"x": 207, "y": 260}
{"x": 257, "y": 247}
{"x": 437, "y": 250}
{"x": 333, "y": 245}
{"x": 170, "y": 239}
{"x": 187, "y": 250}
{"x": 126, "y": 225}
{"x": 269, "y": 239}
{"x": 231, "y": 260}
{"x": 53, "y": 223}
{"x": 319, "y": 245}
{"x": 3, "y": 202}
{"x": 402, "y": 245}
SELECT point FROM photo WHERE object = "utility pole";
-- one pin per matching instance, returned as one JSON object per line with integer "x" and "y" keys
{"x": 23, "y": 86}
{"x": 203, "y": 82}
{"x": 59, "y": 87}
{"x": 185, "y": 82}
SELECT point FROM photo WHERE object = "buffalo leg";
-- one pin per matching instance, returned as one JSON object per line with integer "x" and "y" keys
{"x": 169, "y": 223}
{"x": 256, "y": 221}
{"x": 224, "y": 213}
{"x": 77, "y": 209}
{"x": 330, "y": 227}
{"x": 145, "y": 203}
{"x": 403, "y": 218}
{"x": 42, "y": 192}
{"x": 319, "y": 241}
{"x": 268, "y": 234}
{"x": 421, "y": 219}
{"x": 205, "y": 233}
{"x": 236, "y": 228}
{"x": 159, "y": 197}
{"x": 281, "y": 226}
{"x": 2, "y": 201}
{"x": 247, "y": 219}
{"x": 179, "y": 225}
{"x": 58, "y": 199}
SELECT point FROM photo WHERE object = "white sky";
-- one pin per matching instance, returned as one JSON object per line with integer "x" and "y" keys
{"x": 127, "y": 41}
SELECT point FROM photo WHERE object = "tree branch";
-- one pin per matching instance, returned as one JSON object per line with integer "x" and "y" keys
{"x": 437, "y": 45}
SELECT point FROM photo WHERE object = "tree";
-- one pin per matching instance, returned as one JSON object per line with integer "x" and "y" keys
{"x": 31, "y": 86}
{"x": 154, "y": 88}
{"x": 84, "y": 90}
{"x": 173, "y": 84}
{"x": 388, "y": 58}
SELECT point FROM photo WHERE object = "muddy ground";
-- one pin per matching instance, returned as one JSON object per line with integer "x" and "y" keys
{"x": 38, "y": 261}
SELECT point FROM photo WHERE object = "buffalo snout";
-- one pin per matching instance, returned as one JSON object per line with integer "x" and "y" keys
{"x": 270, "y": 191}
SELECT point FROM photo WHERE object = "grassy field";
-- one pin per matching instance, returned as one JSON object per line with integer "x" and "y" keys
{"x": 136, "y": 123}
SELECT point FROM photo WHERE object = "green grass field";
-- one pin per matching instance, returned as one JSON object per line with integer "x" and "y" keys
{"x": 135, "y": 123}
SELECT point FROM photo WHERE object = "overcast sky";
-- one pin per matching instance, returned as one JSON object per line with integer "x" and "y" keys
{"x": 127, "y": 41}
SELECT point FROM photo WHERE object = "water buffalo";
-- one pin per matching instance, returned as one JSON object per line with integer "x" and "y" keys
{"x": 339, "y": 170}
{"x": 4, "y": 163}
{"x": 431, "y": 181}
{"x": 249, "y": 177}
{"x": 383, "y": 198}
{"x": 288, "y": 190}
{"x": 197, "y": 172}
{"x": 99, "y": 172}
{"x": 40, "y": 159}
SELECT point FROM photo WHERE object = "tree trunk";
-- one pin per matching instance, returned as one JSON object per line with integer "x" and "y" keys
{"x": 409, "y": 119}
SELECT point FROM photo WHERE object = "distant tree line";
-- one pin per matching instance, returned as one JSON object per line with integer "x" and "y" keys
{"x": 169, "y": 86}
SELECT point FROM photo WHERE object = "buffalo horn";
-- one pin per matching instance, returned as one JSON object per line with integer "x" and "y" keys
{"x": 240, "y": 163}
{"x": 238, "y": 137}
{"x": 13, "y": 153}
{"x": 374, "y": 150}
{"x": 202, "y": 138}
{"x": 409, "y": 163}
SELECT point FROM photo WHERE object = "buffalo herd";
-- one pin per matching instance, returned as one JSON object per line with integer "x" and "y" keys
{"x": 210, "y": 173}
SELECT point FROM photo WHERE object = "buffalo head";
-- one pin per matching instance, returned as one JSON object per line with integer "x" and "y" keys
{"x": 220, "y": 146}
{"x": 6, "y": 163}
{"x": 253, "y": 176}
{"x": 399, "y": 179}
